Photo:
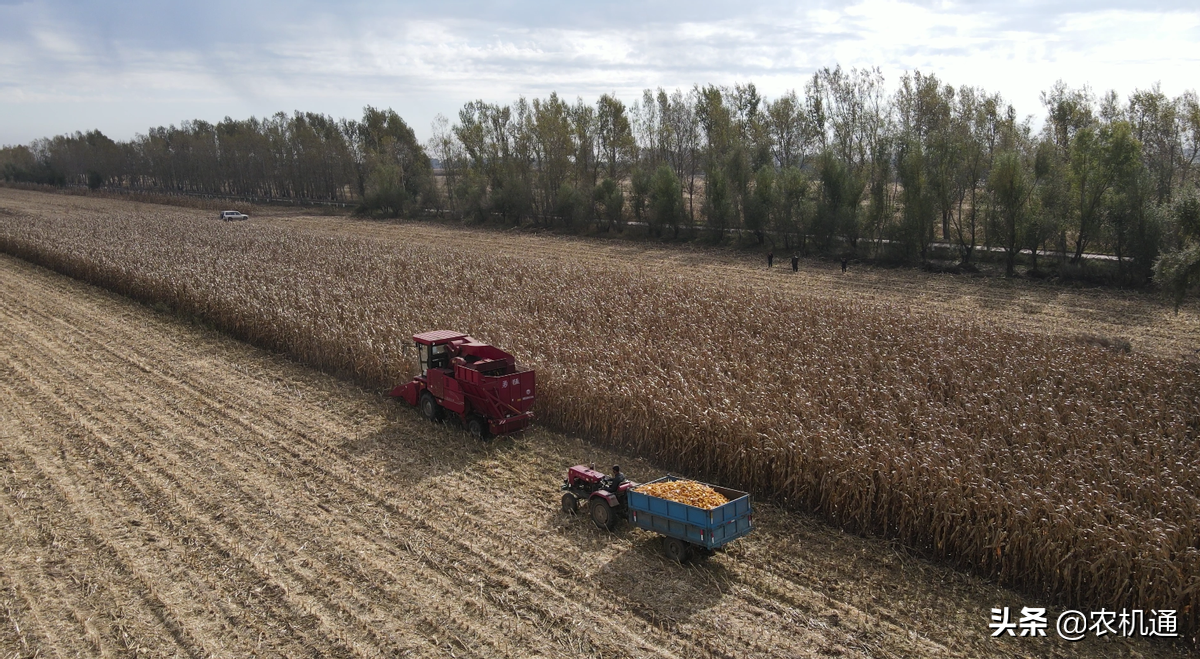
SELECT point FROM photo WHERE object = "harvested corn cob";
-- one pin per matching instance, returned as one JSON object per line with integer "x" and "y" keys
{"x": 686, "y": 492}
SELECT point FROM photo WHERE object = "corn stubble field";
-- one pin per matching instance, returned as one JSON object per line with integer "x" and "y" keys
{"x": 1065, "y": 470}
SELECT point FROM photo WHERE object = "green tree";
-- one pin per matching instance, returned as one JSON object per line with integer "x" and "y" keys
{"x": 1011, "y": 188}
{"x": 1052, "y": 199}
{"x": 665, "y": 202}
{"x": 791, "y": 130}
{"x": 1127, "y": 206}
{"x": 925, "y": 110}
{"x": 443, "y": 147}
{"x": 853, "y": 119}
{"x": 760, "y": 203}
{"x": 386, "y": 141}
{"x": 915, "y": 232}
{"x": 571, "y": 206}
{"x": 554, "y": 149}
{"x": 384, "y": 192}
{"x": 471, "y": 194}
{"x": 1100, "y": 156}
{"x": 611, "y": 201}
{"x": 1177, "y": 270}
{"x": 978, "y": 116}
{"x": 718, "y": 205}
{"x": 511, "y": 196}
{"x": 726, "y": 169}
{"x": 794, "y": 207}
{"x": 839, "y": 204}
{"x": 587, "y": 160}
{"x": 614, "y": 135}
{"x": 639, "y": 194}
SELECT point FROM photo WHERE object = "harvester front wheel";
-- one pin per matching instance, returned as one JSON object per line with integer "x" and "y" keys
{"x": 602, "y": 514}
{"x": 570, "y": 503}
{"x": 430, "y": 407}
{"x": 477, "y": 426}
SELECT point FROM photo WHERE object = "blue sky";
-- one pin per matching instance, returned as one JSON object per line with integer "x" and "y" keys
{"x": 122, "y": 67}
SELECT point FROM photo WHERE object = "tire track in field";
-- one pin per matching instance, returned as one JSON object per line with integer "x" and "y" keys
{"x": 115, "y": 495}
{"x": 446, "y": 536}
{"x": 180, "y": 459}
{"x": 157, "y": 482}
{"x": 156, "y": 405}
{"x": 117, "y": 557}
{"x": 153, "y": 405}
{"x": 484, "y": 553}
{"x": 132, "y": 466}
{"x": 25, "y": 580}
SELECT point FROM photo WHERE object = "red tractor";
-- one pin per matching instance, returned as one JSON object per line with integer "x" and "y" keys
{"x": 607, "y": 498}
{"x": 480, "y": 383}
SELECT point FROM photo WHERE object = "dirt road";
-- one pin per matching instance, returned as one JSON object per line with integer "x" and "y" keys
{"x": 167, "y": 491}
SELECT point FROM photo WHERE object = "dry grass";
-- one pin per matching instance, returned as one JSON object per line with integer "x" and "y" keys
{"x": 1059, "y": 467}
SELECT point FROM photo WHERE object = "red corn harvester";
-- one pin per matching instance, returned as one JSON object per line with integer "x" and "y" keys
{"x": 480, "y": 383}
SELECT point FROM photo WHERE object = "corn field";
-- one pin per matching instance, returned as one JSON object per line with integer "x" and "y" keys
{"x": 1065, "y": 470}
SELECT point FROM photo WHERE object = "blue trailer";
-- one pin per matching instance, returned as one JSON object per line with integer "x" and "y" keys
{"x": 689, "y": 530}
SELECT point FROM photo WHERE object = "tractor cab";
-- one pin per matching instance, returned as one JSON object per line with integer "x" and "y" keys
{"x": 606, "y": 496}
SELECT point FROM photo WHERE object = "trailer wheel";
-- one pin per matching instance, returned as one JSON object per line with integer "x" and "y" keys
{"x": 570, "y": 503}
{"x": 602, "y": 514}
{"x": 677, "y": 550}
{"x": 477, "y": 426}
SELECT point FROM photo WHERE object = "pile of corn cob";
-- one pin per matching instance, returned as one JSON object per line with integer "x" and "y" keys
{"x": 686, "y": 492}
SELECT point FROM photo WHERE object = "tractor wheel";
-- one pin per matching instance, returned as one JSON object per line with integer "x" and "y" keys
{"x": 602, "y": 514}
{"x": 429, "y": 406}
{"x": 677, "y": 550}
{"x": 477, "y": 426}
{"x": 570, "y": 503}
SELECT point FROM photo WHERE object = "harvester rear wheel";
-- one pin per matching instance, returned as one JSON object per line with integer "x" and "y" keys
{"x": 602, "y": 514}
{"x": 677, "y": 550}
{"x": 477, "y": 426}
{"x": 570, "y": 503}
{"x": 429, "y": 407}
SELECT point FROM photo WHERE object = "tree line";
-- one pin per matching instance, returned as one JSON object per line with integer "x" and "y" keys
{"x": 376, "y": 161}
{"x": 843, "y": 167}
{"x": 839, "y": 167}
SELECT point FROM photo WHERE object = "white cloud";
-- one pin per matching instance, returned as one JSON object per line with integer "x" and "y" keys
{"x": 124, "y": 66}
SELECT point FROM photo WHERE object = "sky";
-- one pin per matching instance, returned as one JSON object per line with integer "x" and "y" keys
{"x": 125, "y": 66}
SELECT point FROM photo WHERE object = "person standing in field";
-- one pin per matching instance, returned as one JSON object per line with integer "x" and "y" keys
{"x": 770, "y": 258}
{"x": 795, "y": 263}
{"x": 844, "y": 264}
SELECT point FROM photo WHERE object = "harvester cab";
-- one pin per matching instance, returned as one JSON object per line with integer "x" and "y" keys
{"x": 433, "y": 356}
{"x": 480, "y": 383}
